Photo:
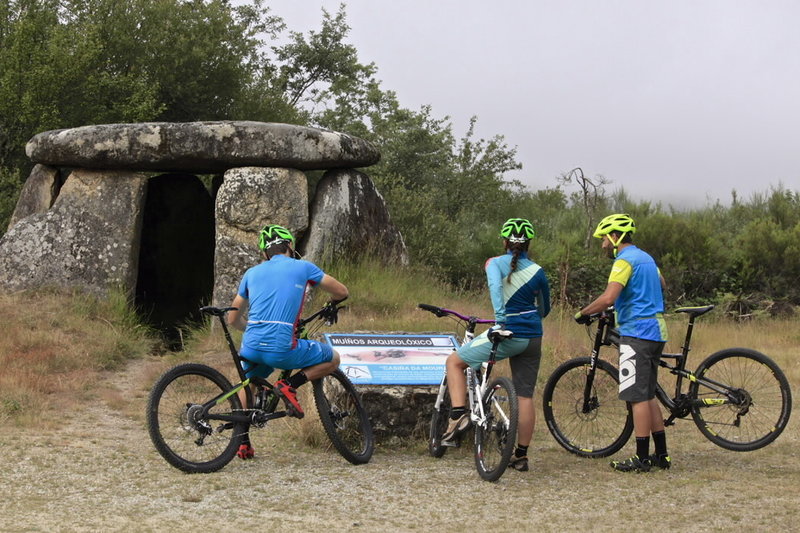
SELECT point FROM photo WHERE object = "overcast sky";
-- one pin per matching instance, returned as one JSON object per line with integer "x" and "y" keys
{"x": 679, "y": 101}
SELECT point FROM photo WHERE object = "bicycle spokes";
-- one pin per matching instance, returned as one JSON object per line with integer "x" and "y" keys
{"x": 756, "y": 403}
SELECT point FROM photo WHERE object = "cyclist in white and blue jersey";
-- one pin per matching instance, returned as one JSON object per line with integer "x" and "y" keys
{"x": 635, "y": 288}
{"x": 520, "y": 296}
{"x": 274, "y": 292}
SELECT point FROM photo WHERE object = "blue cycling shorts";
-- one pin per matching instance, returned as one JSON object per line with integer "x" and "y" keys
{"x": 307, "y": 353}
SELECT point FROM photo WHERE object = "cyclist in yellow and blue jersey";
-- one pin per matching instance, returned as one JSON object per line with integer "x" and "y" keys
{"x": 520, "y": 296}
{"x": 635, "y": 288}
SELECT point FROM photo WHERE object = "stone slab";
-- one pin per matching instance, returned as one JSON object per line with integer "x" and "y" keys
{"x": 202, "y": 147}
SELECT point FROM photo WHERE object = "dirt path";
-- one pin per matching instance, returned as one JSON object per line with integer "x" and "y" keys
{"x": 97, "y": 471}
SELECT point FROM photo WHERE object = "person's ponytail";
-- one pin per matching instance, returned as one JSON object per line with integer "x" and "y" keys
{"x": 517, "y": 249}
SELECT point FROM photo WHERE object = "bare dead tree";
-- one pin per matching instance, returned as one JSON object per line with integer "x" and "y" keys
{"x": 592, "y": 193}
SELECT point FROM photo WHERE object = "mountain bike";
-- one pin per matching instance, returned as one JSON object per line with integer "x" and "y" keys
{"x": 196, "y": 419}
{"x": 493, "y": 405}
{"x": 738, "y": 398}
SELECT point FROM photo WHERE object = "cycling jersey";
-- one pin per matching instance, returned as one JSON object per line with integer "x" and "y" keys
{"x": 521, "y": 303}
{"x": 640, "y": 305}
{"x": 276, "y": 291}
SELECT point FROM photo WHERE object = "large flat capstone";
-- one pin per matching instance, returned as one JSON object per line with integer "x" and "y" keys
{"x": 203, "y": 147}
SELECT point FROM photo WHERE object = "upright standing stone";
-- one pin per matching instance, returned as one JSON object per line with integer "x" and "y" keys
{"x": 88, "y": 239}
{"x": 248, "y": 199}
{"x": 349, "y": 218}
{"x": 38, "y": 193}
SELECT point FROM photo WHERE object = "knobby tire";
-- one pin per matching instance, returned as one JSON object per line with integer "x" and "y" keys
{"x": 753, "y": 377}
{"x": 181, "y": 435}
{"x": 495, "y": 440}
{"x": 598, "y": 428}
{"x": 344, "y": 417}
{"x": 439, "y": 420}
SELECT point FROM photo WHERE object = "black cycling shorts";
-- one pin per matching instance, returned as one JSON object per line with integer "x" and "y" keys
{"x": 525, "y": 368}
{"x": 638, "y": 368}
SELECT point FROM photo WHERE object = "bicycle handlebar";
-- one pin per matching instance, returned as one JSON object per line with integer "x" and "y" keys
{"x": 441, "y": 312}
{"x": 217, "y": 311}
{"x": 329, "y": 312}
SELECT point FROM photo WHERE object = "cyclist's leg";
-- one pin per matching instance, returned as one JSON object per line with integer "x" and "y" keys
{"x": 472, "y": 354}
{"x": 456, "y": 380}
{"x": 253, "y": 367}
{"x": 457, "y": 389}
{"x": 638, "y": 376}
{"x": 315, "y": 359}
{"x": 524, "y": 371}
{"x": 322, "y": 369}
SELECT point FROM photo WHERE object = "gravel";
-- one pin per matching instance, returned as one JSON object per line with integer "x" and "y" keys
{"x": 95, "y": 469}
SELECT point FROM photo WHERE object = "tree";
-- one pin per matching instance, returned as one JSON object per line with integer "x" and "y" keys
{"x": 75, "y": 62}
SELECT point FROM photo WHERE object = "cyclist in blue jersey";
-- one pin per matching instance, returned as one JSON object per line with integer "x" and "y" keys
{"x": 635, "y": 288}
{"x": 274, "y": 292}
{"x": 520, "y": 296}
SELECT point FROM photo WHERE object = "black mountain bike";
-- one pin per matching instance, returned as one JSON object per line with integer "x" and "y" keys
{"x": 738, "y": 398}
{"x": 196, "y": 420}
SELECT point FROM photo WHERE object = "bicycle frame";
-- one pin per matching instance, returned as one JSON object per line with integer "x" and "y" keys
{"x": 256, "y": 414}
{"x": 477, "y": 380}
{"x": 679, "y": 404}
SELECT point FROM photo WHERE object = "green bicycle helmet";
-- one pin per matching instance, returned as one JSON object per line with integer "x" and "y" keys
{"x": 517, "y": 230}
{"x": 273, "y": 234}
{"x": 617, "y": 222}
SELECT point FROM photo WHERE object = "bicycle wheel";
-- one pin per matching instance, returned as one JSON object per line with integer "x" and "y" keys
{"x": 181, "y": 434}
{"x": 344, "y": 418}
{"x": 755, "y": 410}
{"x": 597, "y": 426}
{"x": 496, "y": 436}
{"x": 439, "y": 420}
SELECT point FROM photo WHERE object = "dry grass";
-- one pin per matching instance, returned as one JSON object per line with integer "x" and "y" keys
{"x": 54, "y": 345}
{"x": 99, "y": 456}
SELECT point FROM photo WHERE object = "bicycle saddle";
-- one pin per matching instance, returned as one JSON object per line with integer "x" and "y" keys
{"x": 695, "y": 311}
{"x": 500, "y": 334}
{"x": 216, "y": 311}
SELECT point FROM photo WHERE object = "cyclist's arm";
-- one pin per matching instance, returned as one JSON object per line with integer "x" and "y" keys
{"x": 334, "y": 287}
{"x": 543, "y": 298}
{"x": 494, "y": 278}
{"x": 236, "y": 318}
{"x": 605, "y": 300}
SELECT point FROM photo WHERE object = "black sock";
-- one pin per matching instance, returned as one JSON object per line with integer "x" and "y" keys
{"x": 521, "y": 451}
{"x": 457, "y": 412}
{"x": 643, "y": 447}
{"x": 298, "y": 379}
{"x": 246, "y": 436}
{"x": 660, "y": 442}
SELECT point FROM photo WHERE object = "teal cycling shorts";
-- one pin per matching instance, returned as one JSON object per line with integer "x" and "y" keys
{"x": 525, "y": 355}
{"x": 307, "y": 353}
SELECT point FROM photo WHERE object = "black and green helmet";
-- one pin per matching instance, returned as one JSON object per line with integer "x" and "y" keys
{"x": 517, "y": 230}
{"x": 273, "y": 234}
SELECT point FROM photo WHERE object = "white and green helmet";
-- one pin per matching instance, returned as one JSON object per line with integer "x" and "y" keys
{"x": 517, "y": 230}
{"x": 273, "y": 234}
